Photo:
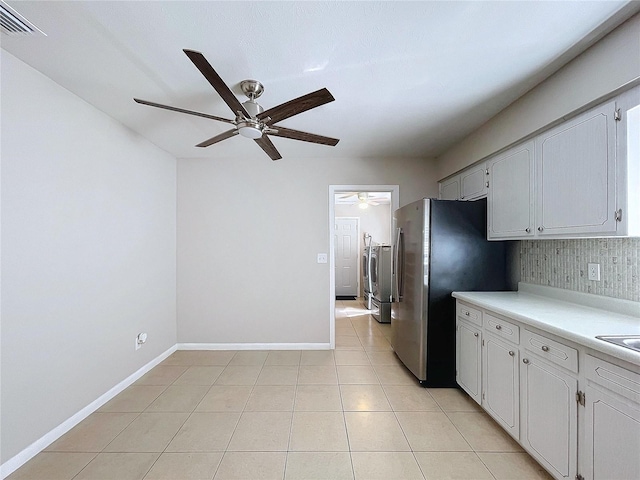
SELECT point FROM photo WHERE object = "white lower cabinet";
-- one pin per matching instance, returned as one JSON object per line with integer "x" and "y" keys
{"x": 549, "y": 415}
{"x": 611, "y": 427}
{"x": 611, "y": 442}
{"x": 500, "y": 383}
{"x": 468, "y": 358}
{"x": 545, "y": 391}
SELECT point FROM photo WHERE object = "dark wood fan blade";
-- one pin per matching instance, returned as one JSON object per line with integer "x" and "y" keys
{"x": 296, "y": 106}
{"x": 216, "y": 82}
{"x": 268, "y": 147}
{"x": 218, "y": 138}
{"x": 182, "y": 110}
{"x": 303, "y": 136}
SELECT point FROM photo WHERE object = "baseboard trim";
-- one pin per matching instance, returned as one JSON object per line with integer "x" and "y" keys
{"x": 11, "y": 465}
{"x": 254, "y": 346}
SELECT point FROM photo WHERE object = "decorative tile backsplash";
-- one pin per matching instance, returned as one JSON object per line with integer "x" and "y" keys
{"x": 563, "y": 264}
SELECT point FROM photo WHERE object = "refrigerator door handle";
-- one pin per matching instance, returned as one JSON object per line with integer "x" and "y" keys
{"x": 399, "y": 265}
{"x": 369, "y": 277}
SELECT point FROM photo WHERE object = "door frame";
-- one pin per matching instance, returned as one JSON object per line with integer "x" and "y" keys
{"x": 333, "y": 190}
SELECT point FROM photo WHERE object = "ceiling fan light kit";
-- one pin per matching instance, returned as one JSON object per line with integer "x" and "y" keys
{"x": 250, "y": 129}
{"x": 251, "y": 120}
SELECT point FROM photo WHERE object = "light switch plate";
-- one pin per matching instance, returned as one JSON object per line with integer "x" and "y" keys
{"x": 322, "y": 258}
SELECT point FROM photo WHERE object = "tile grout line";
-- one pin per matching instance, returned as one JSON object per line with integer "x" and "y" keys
{"x": 344, "y": 417}
{"x": 184, "y": 423}
{"x": 293, "y": 412}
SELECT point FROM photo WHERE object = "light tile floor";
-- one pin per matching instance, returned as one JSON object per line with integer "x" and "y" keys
{"x": 352, "y": 413}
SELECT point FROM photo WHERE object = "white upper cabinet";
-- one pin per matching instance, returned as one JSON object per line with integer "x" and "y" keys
{"x": 576, "y": 175}
{"x": 577, "y": 179}
{"x": 450, "y": 189}
{"x": 473, "y": 182}
{"x": 469, "y": 184}
{"x": 510, "y": 199}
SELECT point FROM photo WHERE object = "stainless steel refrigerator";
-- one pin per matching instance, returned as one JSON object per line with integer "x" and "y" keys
{"x": 440, "y": 247}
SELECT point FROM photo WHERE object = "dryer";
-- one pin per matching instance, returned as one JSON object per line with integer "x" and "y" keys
{"x": 366, "y": 277}
{"x": 382, "y": 281}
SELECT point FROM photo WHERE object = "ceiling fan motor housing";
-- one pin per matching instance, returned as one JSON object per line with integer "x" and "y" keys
{"x": 252, "y": 108}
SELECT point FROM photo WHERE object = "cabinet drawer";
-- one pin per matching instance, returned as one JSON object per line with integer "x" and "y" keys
{"x": 551, "y": 350}
{"x": 502, "y": 328}
{"x": 469, "y": 314}
{"x": 613, "y": 377}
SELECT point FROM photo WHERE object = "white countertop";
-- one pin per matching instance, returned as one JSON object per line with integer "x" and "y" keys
{"x": 566, "y": 319}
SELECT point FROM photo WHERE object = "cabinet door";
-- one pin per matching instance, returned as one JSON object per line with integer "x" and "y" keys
{"x": 612, "y": 438}
{"x": 575, "y": 173}
{"x": 510, "y": 198}
{"x": 500, "y": 384}
{"x": 473, "y": 183}
{"x": 468, "y": 358}
{"x": 450, "y": 189}
{"x": 549, "y": 416}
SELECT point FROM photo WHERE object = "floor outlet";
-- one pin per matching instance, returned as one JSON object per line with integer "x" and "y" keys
{"x": 594, "y": 271}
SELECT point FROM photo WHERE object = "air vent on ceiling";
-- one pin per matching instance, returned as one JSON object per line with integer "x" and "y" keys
{"x": 12, "y": 23}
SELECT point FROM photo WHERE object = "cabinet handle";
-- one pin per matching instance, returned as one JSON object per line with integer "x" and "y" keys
{"x": 512, "y": 353}
{"x": 462, "y": 197}
{"x": 475, "y": 334}
{"x": 540, "y": 229}
{"x": 545, "y": 348}
{"x": 528, "y": 230}
{"x": 498, "y": 327}
{"x": 466, "y": 313}
{"x": 525, "y": 361}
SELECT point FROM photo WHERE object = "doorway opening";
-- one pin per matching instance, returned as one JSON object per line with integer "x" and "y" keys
{"x": 349, "y": 201}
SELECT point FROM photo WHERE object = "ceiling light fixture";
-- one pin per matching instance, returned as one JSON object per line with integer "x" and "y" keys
{"x": 249, "y": 129}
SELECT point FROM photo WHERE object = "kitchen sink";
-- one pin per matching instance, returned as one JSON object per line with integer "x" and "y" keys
{"x": 628, "y": 341}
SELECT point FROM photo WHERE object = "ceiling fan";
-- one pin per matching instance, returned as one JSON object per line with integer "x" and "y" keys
{"x": 364, "y": 199}
{"x": 251, "y": 120}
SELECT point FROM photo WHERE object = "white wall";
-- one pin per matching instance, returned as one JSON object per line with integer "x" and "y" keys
{"x": 374, "y": 220}
{"x": 607, "y": 65}
{"x": 249, "y": 231}
{"x": 88, "y": 254}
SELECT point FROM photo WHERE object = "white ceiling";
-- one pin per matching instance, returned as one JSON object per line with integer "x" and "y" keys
{"x": 409, "y": 78}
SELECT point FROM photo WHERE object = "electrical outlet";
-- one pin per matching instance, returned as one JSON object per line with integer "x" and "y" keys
{"x": 141, "y": 338}
{"x": 322, "y": 258}
{"x": 593, "y": 270}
